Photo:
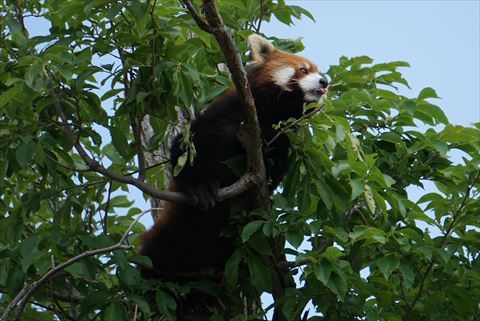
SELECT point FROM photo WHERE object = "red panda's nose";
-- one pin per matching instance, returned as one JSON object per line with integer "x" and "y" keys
{"x": 323, "y": 82}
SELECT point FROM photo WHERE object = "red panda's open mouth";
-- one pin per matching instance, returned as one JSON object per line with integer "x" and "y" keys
{"x": 321, "y": 91}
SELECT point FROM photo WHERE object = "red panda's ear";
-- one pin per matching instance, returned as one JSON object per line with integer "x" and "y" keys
{"x": 260, "y": 48}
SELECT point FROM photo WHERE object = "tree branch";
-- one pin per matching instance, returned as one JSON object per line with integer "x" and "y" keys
{"x": 251, "y": 129}
{"x": 321, "y": 248}
{"x": 249, "y": 136}
{"x": 243, "y": 184}
{"x": 21, "y": 299}
{"x": 198, "y": 20}
{"x": 137, "y": 131}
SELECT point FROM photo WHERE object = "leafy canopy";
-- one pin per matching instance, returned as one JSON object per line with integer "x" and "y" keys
{"x": 360, "y": 247}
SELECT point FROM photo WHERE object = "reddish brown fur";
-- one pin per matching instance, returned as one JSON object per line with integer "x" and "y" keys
{"x": 281, "y": 59}
{"x": 162, "y": 220}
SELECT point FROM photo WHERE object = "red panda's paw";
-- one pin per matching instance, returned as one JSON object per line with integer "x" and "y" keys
{"x": 204, "y": 195}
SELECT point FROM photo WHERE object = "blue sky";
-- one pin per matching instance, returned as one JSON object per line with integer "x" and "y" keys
{"x": 440, "y": 40}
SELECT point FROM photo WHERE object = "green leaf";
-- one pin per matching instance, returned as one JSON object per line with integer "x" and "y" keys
{"x": 118, "y": 201}
{"x": 94, "y": 300}
{"x": 9, "y": 95}
{"x": 339, "y": 168}
{"x": 29, "y": 250}
{"x": 284, "y": 15}
{"x": 209, "y": 287}
{"x": 325, "y": 193}
{"x": 371, "y": 234}
{"x": 142, "y": 304}
{"x": 390, "y": 66}
{"x": 182, "y": 160}
{"x": 369, "y": 198}
{"x": 166, "y": 305}
{"x": 111, "y": 93}
{"x": 231, "y": 269}
{"x": 76, "y": 269}
{"x": 259, "y": 273}
{"x": 115, "y": 312}
{"x": 408, "y": 275}
{"x": 337, "y": 284}
{"x": 141, "y": 96}
{"x": 430, "y": 111}
{"x": 298, "y": 11}
{"x": 332, "y": 254}
{"x": 462, "y": 299}
{"x": 120, "y": 142}
{"x": 15, "y": 282}
{"x": 409, "y": 106}
{"x": 459, "y": 134}
{"x": 391, "y": 137}
{"x": 237, "y": 164}
{"x": 427, "y": 93}
{"x": 340, "y": 133}
{"x": 322, "y": 270}
{"x": 128, "y": 275}
{"x": 251, "y": 228}
{"x": 358, "y": 186}
{"x": 294, "y": 238}
{"x": 387, "y": 264}
{"x": 25, "y": 153}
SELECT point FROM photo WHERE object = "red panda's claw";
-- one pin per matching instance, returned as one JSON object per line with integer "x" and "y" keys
{"x": 205, "y": 195}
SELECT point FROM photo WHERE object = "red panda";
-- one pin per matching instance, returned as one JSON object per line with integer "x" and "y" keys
{"x": 186, "y": 240}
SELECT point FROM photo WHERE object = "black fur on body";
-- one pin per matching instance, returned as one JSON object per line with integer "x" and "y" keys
{"x": 190, "y": 240}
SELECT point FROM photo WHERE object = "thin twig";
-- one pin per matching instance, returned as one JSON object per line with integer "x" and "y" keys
{"x": 107, "y": 207}
{"x": 79, "y": 170}
{"x": 136, "y": 125}
{"x": 148, "y": 167}
{"x": 294, "y": 123}
{"x": 20, "y": 18}
{"x": 135, "y": 313}
{"x": 21, "y": 299}
{"x": 321, "y": 248}
{"x": 260, "y": 17}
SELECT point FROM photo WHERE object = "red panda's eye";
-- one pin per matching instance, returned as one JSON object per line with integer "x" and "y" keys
{"x": 303, "y": 70}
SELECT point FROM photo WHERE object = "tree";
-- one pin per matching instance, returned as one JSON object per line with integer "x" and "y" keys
{"x": 87, "y": 110}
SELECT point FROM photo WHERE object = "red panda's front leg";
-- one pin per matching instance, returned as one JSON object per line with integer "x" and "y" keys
{"x": 202, "y": 179}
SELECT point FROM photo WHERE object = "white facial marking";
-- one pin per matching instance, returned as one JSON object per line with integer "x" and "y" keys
{"x": 308, "y": 84}
{"x": 283, "y": 76}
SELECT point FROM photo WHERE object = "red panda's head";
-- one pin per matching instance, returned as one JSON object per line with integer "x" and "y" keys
{"x": 288, "y": 71}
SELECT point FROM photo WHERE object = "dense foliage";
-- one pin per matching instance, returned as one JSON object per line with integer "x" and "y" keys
{"x": 359, "y": 248}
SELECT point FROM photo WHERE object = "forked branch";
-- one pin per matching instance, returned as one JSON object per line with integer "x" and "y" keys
{"x": 238, "y": 187}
